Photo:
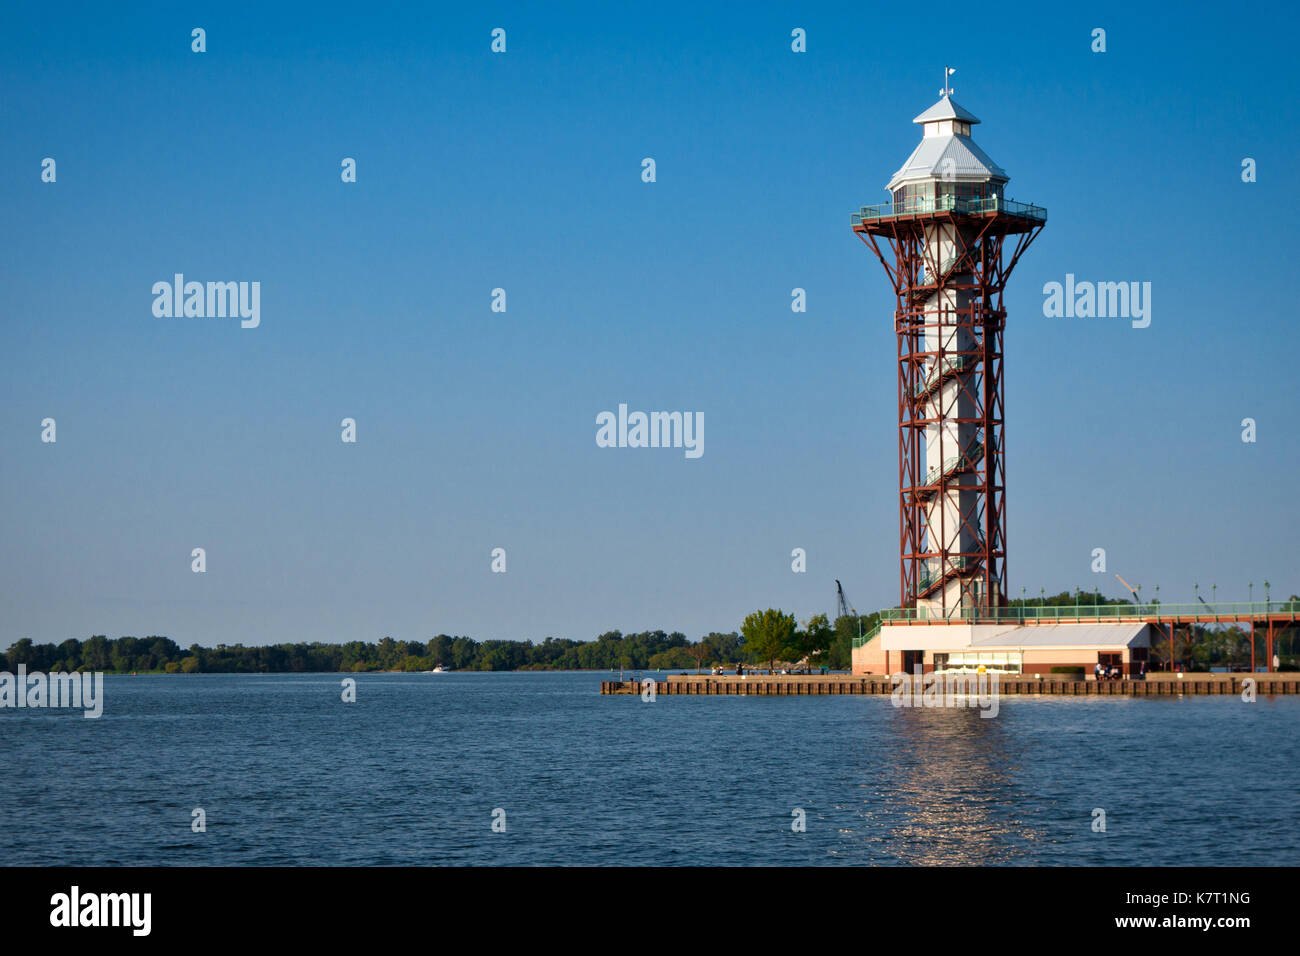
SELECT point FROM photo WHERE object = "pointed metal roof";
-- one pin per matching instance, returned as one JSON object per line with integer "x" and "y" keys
{"x": 951, "y": 156}
{"x": 946, "y": 108}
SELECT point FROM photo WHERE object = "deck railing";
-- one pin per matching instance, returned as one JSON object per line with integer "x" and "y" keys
{"x": 866, "y": 638}
{"x": 1098, "y": 612}
{"x": 971, "y": 207}
{"x": 1085, "y": 613}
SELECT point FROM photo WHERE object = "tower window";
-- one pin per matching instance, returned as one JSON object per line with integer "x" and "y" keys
{"x": 914, "y": 194}
{"x": 965, "y": 190}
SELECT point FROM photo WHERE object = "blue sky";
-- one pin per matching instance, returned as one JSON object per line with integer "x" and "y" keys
{"x": 477, "y": 429}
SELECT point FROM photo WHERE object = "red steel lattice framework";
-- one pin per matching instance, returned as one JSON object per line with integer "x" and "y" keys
{"x": 949, "y": 269}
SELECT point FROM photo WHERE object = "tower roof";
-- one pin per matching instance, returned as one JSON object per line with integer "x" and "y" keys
{"x": 947, "y": 108}
{"x": 946, "y": 152}
{"x": 950, "y": 157}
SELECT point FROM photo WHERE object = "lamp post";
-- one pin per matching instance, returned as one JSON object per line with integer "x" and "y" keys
{"x": 1268, "y": 631}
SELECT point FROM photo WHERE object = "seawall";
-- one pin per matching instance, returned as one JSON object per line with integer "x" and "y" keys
{"x": 798, "y": 685}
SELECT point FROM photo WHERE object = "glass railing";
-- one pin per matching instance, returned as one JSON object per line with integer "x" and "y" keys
{"x": 925, "y": 205}
{"x": 860, "y": 639}
{"x": 1097, "y": 612}
{"x": 1083, "y": 612}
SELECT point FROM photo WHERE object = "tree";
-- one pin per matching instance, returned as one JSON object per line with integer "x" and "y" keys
{"x": 723, "y": 647}
{"x": 122, "y": 653}
{"x": 839, "y": 656}
{"x": 815, "y": 638}
{"x": 440, "y": 651}
{"x": 94, "y": 653}
{"x": 671, "y": 659}
{"x": 463, "y": 652}
{"x": 1069, "y": 599}
{"x": 699, "y": 652}
{"x": 20, "y": 652}
{"x": 71, "y": 652}
{"x": 770, "y": 634}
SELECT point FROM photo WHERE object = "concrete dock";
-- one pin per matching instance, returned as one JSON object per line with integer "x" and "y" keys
{"x": 795, "y": 684}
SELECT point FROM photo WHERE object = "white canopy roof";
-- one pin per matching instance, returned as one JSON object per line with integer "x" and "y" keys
{"x": 1067, "y": 635}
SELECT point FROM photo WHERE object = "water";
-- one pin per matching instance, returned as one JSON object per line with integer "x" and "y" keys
{"x": 410, "y": 774}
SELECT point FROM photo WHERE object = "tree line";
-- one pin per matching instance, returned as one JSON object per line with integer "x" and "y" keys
{"x": 613, "y": 650}
{"x": 769, "y": 638}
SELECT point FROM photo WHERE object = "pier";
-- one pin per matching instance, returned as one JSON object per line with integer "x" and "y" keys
{"x": 788, "y": 685}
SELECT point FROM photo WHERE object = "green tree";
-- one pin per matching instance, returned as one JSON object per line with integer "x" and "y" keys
{"x": 770, "y": 634}
{"x": 839, "y": 656}
{"x": 699, "y": 652}
{"x": 724, "y": 648}
{"x": 463, "y": 652}
{"x": 440, "y": 651}
{"x": 122, "y": 653}
{"x": 671, "y": 659}
{"x": 814, "y": 641}
{"x": 20, "y": 652}
{"x": 71, "y": 653}
{"x": 94, "y": 653}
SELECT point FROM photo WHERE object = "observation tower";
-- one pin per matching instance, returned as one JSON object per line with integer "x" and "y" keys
{"x": 949, "y": 240}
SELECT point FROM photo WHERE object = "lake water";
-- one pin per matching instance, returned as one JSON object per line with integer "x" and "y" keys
{"x": 288, "y": 773}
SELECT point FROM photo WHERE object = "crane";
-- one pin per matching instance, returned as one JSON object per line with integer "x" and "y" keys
{"x": 846, "y": 609}
{"x": 1134, "y": 590}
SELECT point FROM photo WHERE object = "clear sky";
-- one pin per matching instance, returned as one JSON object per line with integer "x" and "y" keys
{"x": 476, "y": 429}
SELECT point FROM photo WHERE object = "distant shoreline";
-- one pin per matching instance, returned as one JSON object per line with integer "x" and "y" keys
{"x": 468, "y": 670}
